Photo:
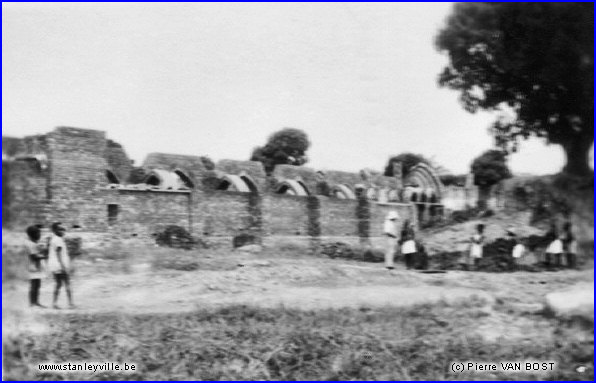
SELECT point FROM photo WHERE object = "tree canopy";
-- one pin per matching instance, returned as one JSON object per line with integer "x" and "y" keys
{"x": 408, "y": 160}
{"x": 287, "y": 146}
{"x": 534, "y": 60}
{"x": 490, "y": 168}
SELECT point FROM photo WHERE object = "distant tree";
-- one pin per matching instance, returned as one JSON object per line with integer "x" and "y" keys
{"x": 489, "y": 169}
{"x": 408, "y": 160}
{"x": 137, "y": 176}
{"x": 532, "y": 60}
{"x": 287, "y": 146}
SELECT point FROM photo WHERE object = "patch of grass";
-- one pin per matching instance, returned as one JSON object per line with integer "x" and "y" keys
{"x": 248, "y": 343}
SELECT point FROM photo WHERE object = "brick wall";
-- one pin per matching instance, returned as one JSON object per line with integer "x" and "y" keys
{"x": 338, "y": 217}
{"x": 145, "y": 212}
{"x": 284, "y": 215}
{"x": 24, "y": 194}
{"x": 77, "y": 174}
{"x": 253, "y": 169}
{"x": 225, "y": 214}
{"x": 192, "y": 166}
{"x": 118, "y": 161}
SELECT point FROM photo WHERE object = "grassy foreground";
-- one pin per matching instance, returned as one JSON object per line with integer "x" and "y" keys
{"x": 241, "y": 342}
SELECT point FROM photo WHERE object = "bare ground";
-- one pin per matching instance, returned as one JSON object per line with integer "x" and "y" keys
{"x": 301, "y": 282}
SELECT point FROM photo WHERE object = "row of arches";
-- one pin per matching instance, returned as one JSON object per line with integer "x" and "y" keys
{"x": 179, "y": 180}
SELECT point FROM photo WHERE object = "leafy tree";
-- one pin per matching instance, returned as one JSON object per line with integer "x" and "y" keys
{"x": 533, "y": 60}
{"x": 287, "y": 146}
{"x": 408, "y": 160}
{"x": 489, "y": 169}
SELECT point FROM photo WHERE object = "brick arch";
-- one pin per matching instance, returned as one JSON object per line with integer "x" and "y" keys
{"x": 292, "y": 187}
{"x": 425, "y": 177}
{"x": 112, "y": 177}
{"x": 343, "y": 191}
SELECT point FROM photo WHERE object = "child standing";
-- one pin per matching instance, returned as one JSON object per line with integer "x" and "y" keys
{"x": 477, "y": 245}
{"x": 59, "y": 263}
{"x": 35, "y": 252}
{"x": 555, "y": 247}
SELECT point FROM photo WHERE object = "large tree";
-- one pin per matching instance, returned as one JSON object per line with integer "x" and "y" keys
{"x": 287, "y": 146}
{"x": 535, "y": 60}
{"x": 489, "y": 169}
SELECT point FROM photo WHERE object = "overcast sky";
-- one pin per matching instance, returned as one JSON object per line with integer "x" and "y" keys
{"x": 218, "y": 79}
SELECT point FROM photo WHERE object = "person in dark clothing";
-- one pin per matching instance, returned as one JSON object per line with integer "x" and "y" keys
{"x": 36, "y": 253}
{"x": 569, "y": 245}
{"x": 408, "y": 244}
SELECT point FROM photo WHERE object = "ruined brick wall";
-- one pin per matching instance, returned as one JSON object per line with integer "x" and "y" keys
{"x": 25, "y": 199}
{"x": 77, "y": 175}
{"x": 285, "y": 215}
{"x": 337, "y": 178}
{"x": 145, "y": 212}
{"x": 253, "y": 169}
{"x": 338, "y": 217}
{"x": 289, "y": 172}
{"x": 192, "y": 166}
{"x": 226, "y": 214}
{"x": 118, "y": 161}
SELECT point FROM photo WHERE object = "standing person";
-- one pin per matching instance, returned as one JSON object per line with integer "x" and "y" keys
{"x": 35, "y": 256}
{"x": 517, "y": 251}
{"x": 555, "y": 247}
{"x": 59, "y": 263}
{"x": 569, "y": 245}
{"x": 408, "y": 244}
{"x": 477, "y": 244}
{"x": 390, "y": 230}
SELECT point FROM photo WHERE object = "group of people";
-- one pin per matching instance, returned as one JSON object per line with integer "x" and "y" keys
{"x": 561, "y": 245}
{"x": 49, "y": 255}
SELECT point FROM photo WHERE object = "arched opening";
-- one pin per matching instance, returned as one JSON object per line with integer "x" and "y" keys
{"x": 251, "y": 185}
{"x": 112, "y": 177}
{"x": 153, "y": 180}
{"x": 414, "y": 197}
{"x": 223, "y": 185}
{"x": 371, "y": 194}
{"x": 292, "y": 187}
{"x": 343, "y": 192}
{"x": 304, "y": 187}
{"x": 185, "y": 179}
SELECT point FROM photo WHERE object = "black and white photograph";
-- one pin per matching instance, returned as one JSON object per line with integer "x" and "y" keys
{"x": 327, "y": 191}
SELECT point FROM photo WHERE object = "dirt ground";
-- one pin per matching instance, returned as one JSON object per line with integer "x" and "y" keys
{"x": 299, "y": 282}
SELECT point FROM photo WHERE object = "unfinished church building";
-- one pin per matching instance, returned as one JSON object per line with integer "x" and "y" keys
{"x": 79, "y": 177}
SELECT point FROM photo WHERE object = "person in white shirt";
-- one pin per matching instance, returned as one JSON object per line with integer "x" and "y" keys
{"x": 477, "y": 244}
{"x": 390, "y": 230}
{"x": 59, "y": 263}
{"x": 518, "y": 250}
{"x": 35, "y": 252}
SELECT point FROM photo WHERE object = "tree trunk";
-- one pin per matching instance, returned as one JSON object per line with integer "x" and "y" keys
{"x": 577, "y": 151}
{"x": 483, "y": 195}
